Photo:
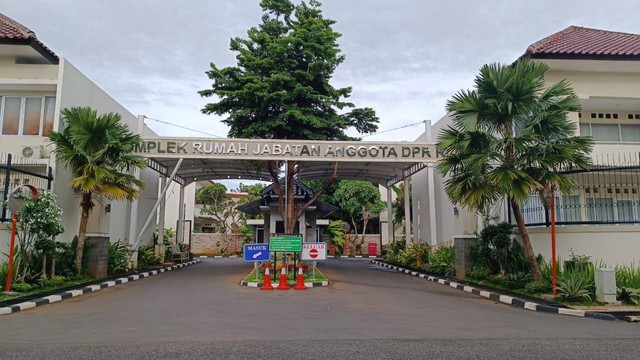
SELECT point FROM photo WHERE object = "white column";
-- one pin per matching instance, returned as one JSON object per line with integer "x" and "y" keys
{"x": 390, "y": 232}
{"x": 433, "y": 225}
{"x": 407, "y": 210}
{"x": 163, "y": 204}
{"x": 133, "y": 219}
{"x": 180, "y": 230}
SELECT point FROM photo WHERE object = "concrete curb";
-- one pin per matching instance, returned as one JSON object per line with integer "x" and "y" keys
{"x": 509, "y": 300}
{"x": 328, "y": 256}
{"x": 307, "y": 284}
{"x": 218, "y": 256}
{"x": 87, "y": 289}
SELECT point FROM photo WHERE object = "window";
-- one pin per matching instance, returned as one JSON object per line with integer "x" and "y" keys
{"x": 600, "y": 209}
{"x": 611, "y": 132}
{"x": 568, "y": 208}
{"x": 27, "y": 115}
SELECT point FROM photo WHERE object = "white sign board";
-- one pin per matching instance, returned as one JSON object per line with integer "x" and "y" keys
{"x": 315, "y": 251}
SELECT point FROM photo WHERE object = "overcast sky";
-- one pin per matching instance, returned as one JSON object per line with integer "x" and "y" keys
{"x": 405, "y": 58}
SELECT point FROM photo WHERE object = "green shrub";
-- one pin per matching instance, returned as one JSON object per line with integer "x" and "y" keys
{"x": 499, "y": 280}
{"x": 4, "y": 271}
{"x": 538, "y": 287}
{"x": 21, "y": 287}
{"x": 629, "y": 296}
{"x": 518, "y": 280}
{"x": 393, "y": 253}
{"x": 147, "y": 256}
{"x": 478, "y": 272}
{"x": 497, "y": 249}
{"x": 442, "y": 261}
{"x": 118, "y": 258}
{"x": 410, "y": 256}
{"x": 573, "y": 286}
{"x": 628, "y": 276}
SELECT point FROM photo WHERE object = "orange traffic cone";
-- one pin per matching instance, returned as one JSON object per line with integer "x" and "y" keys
{"x": 266, "y": 285}
{"x": 300, "y": 283}
{"x": 283, "y": 279}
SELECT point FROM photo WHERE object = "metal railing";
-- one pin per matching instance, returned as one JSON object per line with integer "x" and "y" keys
{"x": 606, "y": 194}
{"x": 16, "y": 171}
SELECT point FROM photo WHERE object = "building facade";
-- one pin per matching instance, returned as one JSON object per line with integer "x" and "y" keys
{"x": 601, "y": 218}
{"x": 35, "y": 84}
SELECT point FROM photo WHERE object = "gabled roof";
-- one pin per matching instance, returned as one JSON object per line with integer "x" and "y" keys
{"x": 577, "y": 42}
{"x": 14, "y": 33}
{"x": 299, "y": 190}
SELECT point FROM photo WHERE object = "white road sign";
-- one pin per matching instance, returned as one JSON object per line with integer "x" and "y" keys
{"x": 315, "y": 251}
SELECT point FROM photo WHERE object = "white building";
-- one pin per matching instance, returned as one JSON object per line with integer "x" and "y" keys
{"x": 601, "y": 218}
{"x": 35, "y": 84}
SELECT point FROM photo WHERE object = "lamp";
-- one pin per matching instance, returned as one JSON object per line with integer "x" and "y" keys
{"x": 456, "y": 212}
{"x": 107, "y": 209}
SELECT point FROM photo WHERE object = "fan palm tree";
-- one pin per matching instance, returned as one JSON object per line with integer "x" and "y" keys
{"x": 97, "y": 149}
{"x": 510, "y": 137}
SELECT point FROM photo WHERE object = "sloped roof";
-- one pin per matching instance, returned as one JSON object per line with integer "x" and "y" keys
{"x": 586, "y": 43}
{"x": 12, "y": 29}
{"x": 299, "y": 190}
{"x": 12, "y": 32}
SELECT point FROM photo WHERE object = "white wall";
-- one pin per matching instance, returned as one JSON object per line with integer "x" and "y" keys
{"x": 613, "y": 244}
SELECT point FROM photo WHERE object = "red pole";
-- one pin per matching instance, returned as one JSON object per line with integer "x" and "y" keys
{"x": 553, "y": 244}
{"x": 14, "y": 225}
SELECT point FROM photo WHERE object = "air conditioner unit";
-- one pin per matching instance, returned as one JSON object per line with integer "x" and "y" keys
{"x": 31, "y": 151}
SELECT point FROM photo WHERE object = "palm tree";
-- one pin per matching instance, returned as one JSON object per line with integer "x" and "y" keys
{"x": 98, "y": 151}
{"x": 511, "y": 137}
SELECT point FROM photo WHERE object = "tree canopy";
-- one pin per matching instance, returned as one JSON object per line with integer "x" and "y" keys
{"x": 510, "y": 137}
{"x": 98, "y": 150}
{"x": 280, "y": 88}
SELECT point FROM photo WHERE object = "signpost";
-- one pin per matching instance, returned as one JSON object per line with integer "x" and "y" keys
{"x": 314, "y": 251}
{"x": 285, "y": 243}
{"x": 256, "y": 253}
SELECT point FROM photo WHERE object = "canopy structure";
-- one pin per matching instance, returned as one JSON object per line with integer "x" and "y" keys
{"x": 382, "y": 163}
{"x": 187, "y": 160}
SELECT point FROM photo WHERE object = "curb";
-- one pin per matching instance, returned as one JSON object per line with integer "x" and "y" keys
{"x": 86, "y": 290}
{"x": 352, "y": 256}
{"x": 509, "y": 300}
{"x": 307, "y": 284}
{"x": 217, "y": 256}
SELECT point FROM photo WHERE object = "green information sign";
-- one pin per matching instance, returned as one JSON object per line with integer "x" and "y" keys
{"x": 285, "y": 243}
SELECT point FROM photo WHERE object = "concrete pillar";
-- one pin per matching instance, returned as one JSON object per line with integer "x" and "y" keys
{"x": 433, "y": 224}
{"x": 462, "y": 257}
{"x": 407, "y": 211}
{"x": 97, "y": 256}
{"x": 390, "y": 232}
{"x": 180, "y": 230}
{"x": 161, "y": 217}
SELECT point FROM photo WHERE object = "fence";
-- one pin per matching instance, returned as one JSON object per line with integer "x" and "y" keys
{"x": 606, "y": 194}
{"x": 16, "y": 171}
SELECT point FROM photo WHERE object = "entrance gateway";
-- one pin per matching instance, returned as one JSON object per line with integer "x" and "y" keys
{"x": 190, "y": 159}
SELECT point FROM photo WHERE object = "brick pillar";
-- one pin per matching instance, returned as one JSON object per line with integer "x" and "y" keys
{"x": 463, "y": 260}
{"x": 97, "y": 256}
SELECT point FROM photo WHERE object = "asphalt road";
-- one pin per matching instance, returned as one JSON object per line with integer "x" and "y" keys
{"x": 367, "y": 312}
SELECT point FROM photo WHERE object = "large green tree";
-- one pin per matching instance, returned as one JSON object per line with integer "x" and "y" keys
{"x": 510, "y": 137}
{"x": 98, "y": 150}
{"x": 361, "y": 201}
{"x": 280, "y": 87}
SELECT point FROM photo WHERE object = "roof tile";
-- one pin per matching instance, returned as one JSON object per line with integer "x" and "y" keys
{"x": 576, "y": 40}
{"x": 12, "y": 29}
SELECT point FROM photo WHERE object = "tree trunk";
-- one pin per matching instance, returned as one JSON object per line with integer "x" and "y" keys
{"x": 524, "y": 235}
{"x": 44, "y": 265}
{"x": 84, "y": 219}
{"x": 53, "y": 266}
